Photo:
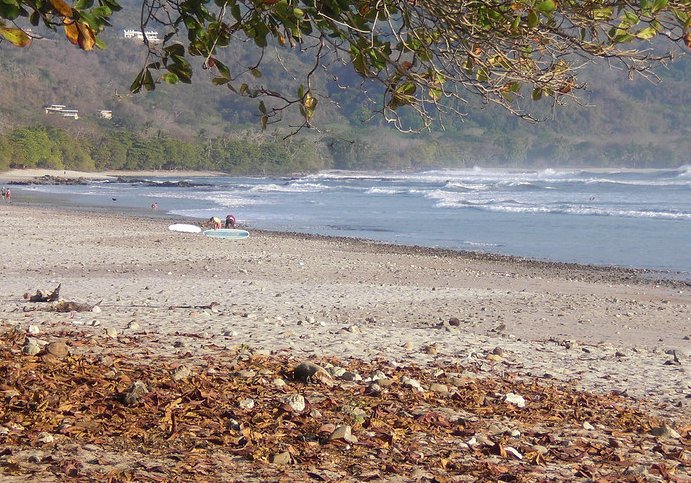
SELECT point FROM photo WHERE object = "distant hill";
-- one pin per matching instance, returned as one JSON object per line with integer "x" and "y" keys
{"x": 623, "y": 123}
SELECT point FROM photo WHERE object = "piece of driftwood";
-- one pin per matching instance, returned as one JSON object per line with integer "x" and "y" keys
{"x": 208, "y": 306}
{"x": 65, "y": 306}
{"x": 44, "y": 296}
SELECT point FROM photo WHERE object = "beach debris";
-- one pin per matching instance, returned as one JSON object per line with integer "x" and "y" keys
{"x": 31, "y": 347}
{"x": 33, "y": 329}
{"x": 515, "y": 399}
{"x": 343, "y": 432}
{"x": 664, "y": 431}
{"x": 454, "y": 322}
{"x": 283, "y": 458}
{"x": 57, "y": 349}
{"x": 182, "y": 373}
{"x": 134, "y": 394}
{"x": 44, "y": 296}
{"x": 309, "y": 372}
{"x": 295, "y": 402}
{"x": 133, "y": 325}
{"x": 211, "y": 306}
{"x": 412, "y": 383}
{"x": 111, "y": 332}
{"x": 246, "y": 403}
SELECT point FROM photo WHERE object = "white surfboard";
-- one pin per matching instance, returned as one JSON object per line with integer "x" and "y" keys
{"x": 185, "y": 228}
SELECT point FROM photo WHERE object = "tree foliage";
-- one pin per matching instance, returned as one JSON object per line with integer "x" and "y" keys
{"x": 426, "y": 55}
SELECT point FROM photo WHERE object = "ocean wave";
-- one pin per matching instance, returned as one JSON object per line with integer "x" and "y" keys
{"x": 290, "y": 188}
{"x": 385, "y": 191}
{"x": 580, "y": 210}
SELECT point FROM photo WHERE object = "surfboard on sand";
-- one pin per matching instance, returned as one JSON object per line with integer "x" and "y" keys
{"x": 185, "y": 228}
{"x": 228, "y": 233}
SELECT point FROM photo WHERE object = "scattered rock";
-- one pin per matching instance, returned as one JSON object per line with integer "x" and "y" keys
{"x": 134, "y": 394}
{"x": 112, "y": 332}
{"x": 439, "y": 388}
{"x": 281, "y": 458}
{"x": 373, "y": 389}
{"x": 515, "y": 399}
{"x": 454, "y": 321}
{"x": 410, "y": 382}
{"x": 296, "y": 402}
{"x": 33, "y": 329}
{"x": 343, "y": 432}
{"x": 408, "y": 346}
{"x": 278, "y": 382}
{"x": 247, "y": 403}
{"x": 588, "y": 426}
{"x": 46, "y": 438}
{"x": 31, "y": 347}
{"x": 513, "y": 452}
{"x": 498, "y": 351}
{"x": 181, "y": 373}
{"x": 133, "y": 325}
{"x": 58, "y": 349}
{"x": 664, "y": 431}
{"x": 308, "y": 372}
{"x": 494, "y": 358}
{"x": 431, "y": 349}
{"x": 96, "y": 309}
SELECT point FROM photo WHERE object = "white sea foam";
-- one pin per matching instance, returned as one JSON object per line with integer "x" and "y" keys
{"x": 290, "y": 188}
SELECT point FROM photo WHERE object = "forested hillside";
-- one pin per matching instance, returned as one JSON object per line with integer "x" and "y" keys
{"x": 632, "y": 123}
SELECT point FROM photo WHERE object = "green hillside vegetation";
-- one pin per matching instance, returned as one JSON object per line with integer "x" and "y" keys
{"x": 623, "y": 123}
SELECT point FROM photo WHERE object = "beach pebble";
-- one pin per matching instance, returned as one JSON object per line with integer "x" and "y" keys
{"x": 588, "y": 426}
{"x": 296, "y": 402}
{"x": 96, "y": 309}
{"x": 439, "y": 388}
{"x": 412, "y": 383}
{"x": 283, "y": 458}
{"x": 31, "y": 347}
{"x": 33, "y": 329}
{"x": 664, "y": 431}
{"x": 57, "y": 349}
{"x": 515, "y": 399}
{"x": 308, "y": 371}
{"x": 133, "y": 325}
{"x": 454, "y": 321}
{"x": 112, "y": 332}
{"x": 278, "y": 382}
{"x": 135, "y": 393}
{"x": 247, "y": 403}
{"x": 343, "y": 432}
{"x": 373, "y": 389}
{"x": 181, "y": 373}
{"x": 45, "y": 438}
{"x": 408, "y": 346}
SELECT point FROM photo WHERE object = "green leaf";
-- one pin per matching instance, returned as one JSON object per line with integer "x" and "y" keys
{"x": 603, "y": 13}
{"x": 533, "y": 20}
{"x": 646, "y": 33}
{"x": 219, "y": 81}
{"x": 10, "y": 10}
{"x": 537, "y": 94}
{"x": 546, "y": 6}
{"x": 262, "y": 107}
{"x": 659, "y": 5}
{"x": 170, "y": 78}
{"x": 256, "y": 73}
{"x": 15, "y": 36}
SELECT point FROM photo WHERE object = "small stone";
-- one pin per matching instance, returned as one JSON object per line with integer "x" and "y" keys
{"x": 410, "y": 382}
{"x": 96, "y": 309}
{"x": 281, "y": 458}
{"x": 246, "y": 374}
{"x": 247, "y": 403}
{"x": 181, "y": 373}
{"x": 373, "y": 389}
{"x": 513, "y": 452}
{"x": 343, "y": 432}
{"x": 493, "y": 358}
{"x": 133, "y": 325}
{"x": 588, "y": 426}
{"x": 135, "y": 393}
{"x": 31, "y": 347}
{"x": 309, "y": 371}
{"x": 515, "y": 399}
{"x": 45, "y": 438}
{"x": 431, "y": 349}
{"x": 295, "y": 401}
{"x": 440, "y": 388}
{"x": 454, "y": 321}
{"x": 378, "y": 375}
{"x": 664, "y": 431}
{"x": 349, "y": 376}
{"x": 278, "y": 382}
{"x": 112, "y": 332}
{"x": 408, "y": 346}
{"x": 354, "y": 329}
{"x": 33, "y": 329}
{"x": 58, "y": 349}
{"x": 498, "y": 351}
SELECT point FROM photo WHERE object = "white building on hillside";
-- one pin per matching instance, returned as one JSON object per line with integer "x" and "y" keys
{"x": 151, "y": 35}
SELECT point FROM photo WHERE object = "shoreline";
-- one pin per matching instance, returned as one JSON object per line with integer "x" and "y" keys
{"x": 214, "y": 329}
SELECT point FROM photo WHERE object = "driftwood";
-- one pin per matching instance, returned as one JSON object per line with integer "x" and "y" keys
{"x": 65, "y": 306}
{"x": 41, "y": 296}
{"x": 208, "y": 306}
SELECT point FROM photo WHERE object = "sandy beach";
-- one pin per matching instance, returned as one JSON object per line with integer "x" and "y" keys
{"x": 165, "y": 299}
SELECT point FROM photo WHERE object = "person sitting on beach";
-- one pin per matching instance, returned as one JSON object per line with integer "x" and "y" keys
{"x": 230, "y": 221}
{"x": 215, "y": 222}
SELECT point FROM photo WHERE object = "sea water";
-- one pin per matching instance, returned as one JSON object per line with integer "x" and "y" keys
{"x": 639, "y": 219}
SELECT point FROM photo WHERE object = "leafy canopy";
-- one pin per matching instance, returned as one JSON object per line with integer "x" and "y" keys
{"x": 427, "y": 55}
